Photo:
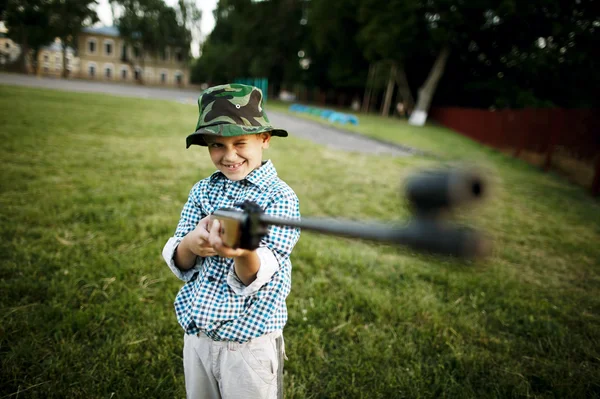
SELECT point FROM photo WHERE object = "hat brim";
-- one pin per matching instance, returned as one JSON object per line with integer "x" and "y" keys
{"x": 229, "y": 130}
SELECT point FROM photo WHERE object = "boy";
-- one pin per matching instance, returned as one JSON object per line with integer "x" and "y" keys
{"x": 232, "y": 306}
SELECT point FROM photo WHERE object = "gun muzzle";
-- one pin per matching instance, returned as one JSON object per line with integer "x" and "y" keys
{"x": 436, "y": 190}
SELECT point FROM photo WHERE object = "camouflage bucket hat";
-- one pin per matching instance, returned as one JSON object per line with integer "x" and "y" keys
{"x": 231, "y": 110}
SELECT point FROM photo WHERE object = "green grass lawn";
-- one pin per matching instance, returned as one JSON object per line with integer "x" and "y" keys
{"x": 92, "y": 187}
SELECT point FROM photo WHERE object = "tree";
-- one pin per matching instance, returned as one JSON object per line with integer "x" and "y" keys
{"x": 387, "y": 37}
{"x": 150, "y": 26}
{"x": 519, "y": 49}
{"x": 405, "y": 30}
{"x": 28, "y": 24}
{"x": 67, "y": 18}
{"x": 190, "y": 17}
{"x": 335, "y": 49}
{"x": 265, "y": 44}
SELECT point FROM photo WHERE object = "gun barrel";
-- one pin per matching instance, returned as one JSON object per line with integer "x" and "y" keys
{"x": 421, "y": 234}
{"x": 428, "y": 192}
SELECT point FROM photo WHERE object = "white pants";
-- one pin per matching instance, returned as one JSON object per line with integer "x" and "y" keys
{"x": 228, "y": 370}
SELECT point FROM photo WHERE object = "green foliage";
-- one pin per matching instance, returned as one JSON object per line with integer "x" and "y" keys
{"x": 67, "y": 18}
{"x": 521, "y": 48}
{"x": 28, "y": 23}
{"x": 332, "y": 47}
{"x": 92, "y": 187}
{"x": 495, "y": 60}
{"x": 253, "y": 39}
{"x": 152, "y": 26}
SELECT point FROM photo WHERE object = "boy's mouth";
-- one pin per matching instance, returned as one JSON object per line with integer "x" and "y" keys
{"x": 233, "y": 166}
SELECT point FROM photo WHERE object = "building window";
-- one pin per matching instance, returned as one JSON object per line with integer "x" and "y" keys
{"x": 6, "y": 45}
{"x": 46, "y": 57}
{"x": 178, "y": 78}
{"x": 108, "y": 73}
{"x": 136, "y": 52}
{"x": 45, "y": 69}
{"x": 108, "y": 48}
{"x": 123, "y": 74}
{"x": 163, "y": 77}
{"x": 179, "y": 56}
{"x": 92, "y": 46}
{"x": 124, "y": 52}
{"x": 137, "y": 74}
{"x": 92, "y": 70}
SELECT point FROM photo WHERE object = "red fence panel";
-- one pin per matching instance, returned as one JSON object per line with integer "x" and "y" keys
{"x": 541, "y": 130}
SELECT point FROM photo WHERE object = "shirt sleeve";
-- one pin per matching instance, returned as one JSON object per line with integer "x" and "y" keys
{"x": 168, "y": 253}
{"x": 191, "y": 214}
{"x": 268, "y": 267}
{"x": 281, "y": 240}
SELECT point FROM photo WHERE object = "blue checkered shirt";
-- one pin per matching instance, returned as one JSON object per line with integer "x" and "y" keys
{"x": 209, "y": 301}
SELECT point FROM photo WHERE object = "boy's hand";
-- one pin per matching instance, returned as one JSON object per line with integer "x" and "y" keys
{"x": 199, "y": 239}
{"x": 219, "y": 246}
{"x": 246, "y": 262}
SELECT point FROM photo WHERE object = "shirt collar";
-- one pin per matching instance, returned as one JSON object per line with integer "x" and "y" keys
{"x": 260, "y": 177}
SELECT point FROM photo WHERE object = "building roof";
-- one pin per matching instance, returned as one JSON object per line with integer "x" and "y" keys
{"x": 103, "y": 30}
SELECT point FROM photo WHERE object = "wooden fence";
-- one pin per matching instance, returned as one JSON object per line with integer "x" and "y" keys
{"x": 541, "y": 130}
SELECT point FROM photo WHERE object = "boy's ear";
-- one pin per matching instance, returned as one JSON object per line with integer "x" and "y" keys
{"x": 266, "y": 139}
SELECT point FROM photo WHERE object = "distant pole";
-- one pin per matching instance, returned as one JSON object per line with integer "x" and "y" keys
{"x": 389, "y": 91}
{"x": 373, "y": 94}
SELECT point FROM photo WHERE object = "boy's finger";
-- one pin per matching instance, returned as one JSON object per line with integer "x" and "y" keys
{"x": 208, "y": 252}
{"x": 204, "y": 234}
{"x": 205, "y": 223}
{"x": 215, "y": 234}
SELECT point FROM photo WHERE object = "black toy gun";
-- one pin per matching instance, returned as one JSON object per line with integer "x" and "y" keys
{"x": 431, "y": 194}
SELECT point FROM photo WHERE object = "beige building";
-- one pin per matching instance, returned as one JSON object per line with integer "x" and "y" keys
{"x": 50, "y": 60}
{"x": 104, "y": 55}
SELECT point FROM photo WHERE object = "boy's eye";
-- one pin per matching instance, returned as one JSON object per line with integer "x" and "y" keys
{"x": 214, "y": 145}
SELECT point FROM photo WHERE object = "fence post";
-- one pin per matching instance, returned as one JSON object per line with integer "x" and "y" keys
{"x": 521, "y": 132}
{"x": 554, "y": 130}
{"x": 596, "y": 183}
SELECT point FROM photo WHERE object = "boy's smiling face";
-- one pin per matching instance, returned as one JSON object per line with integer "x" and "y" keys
{"x": 237, "y": 156}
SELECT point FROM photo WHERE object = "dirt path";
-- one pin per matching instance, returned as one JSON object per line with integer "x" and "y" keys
{"x": 338, "y": 139}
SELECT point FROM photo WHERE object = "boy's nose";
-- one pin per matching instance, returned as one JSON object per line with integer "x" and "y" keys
{"x": 230, "y": 154}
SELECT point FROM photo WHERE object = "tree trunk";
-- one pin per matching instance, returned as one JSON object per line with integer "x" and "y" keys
{"x": 404, "y": 89}
{"x": 22, "y": 58}
{"x": 385, "y": 110}
{"x": 426, "y": 92}
{"x": 65, "y": 71}
{"x": 367, "y": 96}
{"x": 35, "y": 53}
{"x": 21, "y": 61}
{"x": 143, "y": 64}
